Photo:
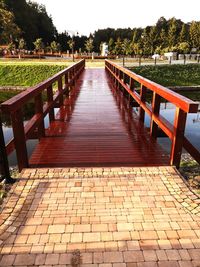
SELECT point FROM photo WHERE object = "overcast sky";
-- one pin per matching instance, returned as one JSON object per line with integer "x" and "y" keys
{"x": 86, "y": 16}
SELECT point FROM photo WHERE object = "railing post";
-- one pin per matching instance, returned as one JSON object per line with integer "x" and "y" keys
{"x": 39, "y": 110}
{"x": 155, "y": 110}
{"x": 73, "y": 76}
{"x": 60, "y": 91}
{"x": 131, "y": 86}
{"x": 115, "y": 71}
{"x": 143, "y": 91}
{"x": 66, "y": 84}
{"x": 19, "y": 139}
{"x": 178, "y": 136}
{"x": 50, "y": 101}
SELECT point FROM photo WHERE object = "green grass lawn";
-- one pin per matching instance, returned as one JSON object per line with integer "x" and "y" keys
{"x": 27, "y": 73}
{"x": 171, "y": 75}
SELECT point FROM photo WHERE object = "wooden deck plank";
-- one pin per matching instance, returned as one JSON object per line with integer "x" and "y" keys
{"x": 94, "y": 128}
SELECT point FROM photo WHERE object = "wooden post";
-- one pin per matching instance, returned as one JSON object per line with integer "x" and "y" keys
{"x": 66, "y": 84}
{"x": 115, "y": 71}
{"x": 19, "y": 139}
{"x": 73, "y": 76}
{"x": 60, "y": 91}
{"x": 155, "y": 110}
{"x": 177, "y": 141}
{"x": 39, "y": 110}
{"x": 143, "y": 91}
{"x": 50, "y": 101}
{"x": 131, "y": 86}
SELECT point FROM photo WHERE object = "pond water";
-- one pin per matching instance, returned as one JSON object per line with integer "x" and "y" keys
{"x": 192, "y": 131}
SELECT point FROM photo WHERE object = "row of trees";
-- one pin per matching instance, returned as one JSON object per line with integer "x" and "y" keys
{"x": 28, "y": 21}
{"x": 166, "y": 35}
{"x": 54, "y": 47}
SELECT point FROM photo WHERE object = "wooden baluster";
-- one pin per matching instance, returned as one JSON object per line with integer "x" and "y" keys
{"x": 131, "y": 86}
{"x": 155, "y": 110}
{"x": 178, "y": 136}
{"x": 60, "y": 89}
{"x": 50, "y": 101}
{"x": 39, "y": 111}
{"x": 73, "y": 76}
{"x": 123, "y": 78}
{"x": 113, "y": 77}
{"x": 66, "y": 84}
{"x": 115, "y": 71}
{"x": 143, "y": 91}
{"x": 120, "y": 78}
{"x": 19, "y": 139}
{"x": 70, "y": 79}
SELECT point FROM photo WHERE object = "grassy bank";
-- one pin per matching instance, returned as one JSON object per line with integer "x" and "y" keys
{"x": 27, "y": 74}
{"x": 171, "y": 75}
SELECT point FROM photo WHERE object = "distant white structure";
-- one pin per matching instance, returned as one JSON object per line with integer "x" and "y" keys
{"x": 171, "y": 55}
{"x": 104, "y": 50}
{"x": 156, "y": 56}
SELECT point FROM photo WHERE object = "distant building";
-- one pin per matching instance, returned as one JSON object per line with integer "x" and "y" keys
{"x": 104, "y": 50}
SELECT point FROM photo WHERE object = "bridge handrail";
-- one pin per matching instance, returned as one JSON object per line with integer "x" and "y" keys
{"x": 124, "y": 79}
{"x": 34, "y": 128}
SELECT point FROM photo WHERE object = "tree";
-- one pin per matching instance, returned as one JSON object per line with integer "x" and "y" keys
{"x": 153, "y": 39}
{"x": 163, "y": 39}
{"x": 183, "y": 34}
{"x": 9, "y": 31}
{"x": 184, "y": 48}
{"x": 195, "y": 34}
{"x": 126, "y": 47}
{"x": 111, "y": 46}
{"x": 89, "y": 45}
{"x": 11, "y": 47}
{"x": 172, "y": 34}
{"x": 145, "y": 44}
{"x": 137, "y": 35}
{"x": 38, "y": 45}
{"x": 118, "y": 47}
{"x": 21, "y": 46}
{"x": 54, "y": 47}
{"x": 33, "y": 21}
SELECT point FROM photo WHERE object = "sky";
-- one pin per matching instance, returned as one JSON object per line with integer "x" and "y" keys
{"x": 86, "y": 16}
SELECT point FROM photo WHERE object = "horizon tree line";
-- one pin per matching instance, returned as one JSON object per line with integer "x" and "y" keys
{"x": 22, "y": 23}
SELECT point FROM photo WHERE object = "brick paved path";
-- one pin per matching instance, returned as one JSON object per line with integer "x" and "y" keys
{"x": 116, "y": 217}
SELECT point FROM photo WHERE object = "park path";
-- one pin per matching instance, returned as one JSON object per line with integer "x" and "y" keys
{"x": 113, "y": 217}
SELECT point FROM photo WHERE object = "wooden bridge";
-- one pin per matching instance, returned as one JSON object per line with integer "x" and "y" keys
{"x": 95, "y": 124}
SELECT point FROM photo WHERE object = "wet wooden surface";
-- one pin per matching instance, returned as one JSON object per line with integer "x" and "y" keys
{"x": 95, "y": 127}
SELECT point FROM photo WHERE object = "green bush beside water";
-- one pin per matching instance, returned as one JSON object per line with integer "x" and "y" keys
{"x": 171, "y": 75}
{"x": 27, "y": 74}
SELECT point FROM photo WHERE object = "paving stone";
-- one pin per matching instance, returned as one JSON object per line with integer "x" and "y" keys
{"x": 115, "y": 217}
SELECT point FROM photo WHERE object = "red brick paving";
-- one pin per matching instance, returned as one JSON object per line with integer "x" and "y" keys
{"x": 115, "y": 217}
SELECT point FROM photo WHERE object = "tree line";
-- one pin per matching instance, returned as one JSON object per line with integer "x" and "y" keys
{"x": 167, "y": 35}
{"x": 27, "y": 25}
{"x": 23, "y": 23}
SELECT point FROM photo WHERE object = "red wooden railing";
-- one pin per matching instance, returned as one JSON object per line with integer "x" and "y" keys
{"x": 65, "y": 80}
{"x": 124, "y": 79}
